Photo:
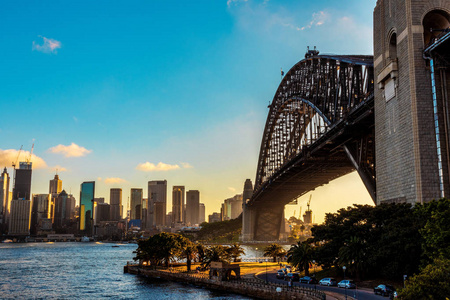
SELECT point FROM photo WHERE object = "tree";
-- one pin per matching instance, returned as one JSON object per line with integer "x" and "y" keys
{"x": 215, "y": 253}
{"x": 431, "y": 283}
{"x": 159, "y": 249}
{"x": 301, "y": 255}
{"x": 235, "y": 251}
{"x": 353, "y": 255}
{"x": 187, "y": 250}
{"x": 274, "y": 250}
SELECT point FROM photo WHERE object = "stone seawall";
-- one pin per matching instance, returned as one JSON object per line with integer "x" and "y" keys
{"x": 246, "y": 286}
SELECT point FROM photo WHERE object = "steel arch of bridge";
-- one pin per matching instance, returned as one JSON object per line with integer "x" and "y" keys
{"x": 319, "y": 95}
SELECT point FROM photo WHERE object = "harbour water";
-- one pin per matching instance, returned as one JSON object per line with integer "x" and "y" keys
{"x": 83, "y": 271}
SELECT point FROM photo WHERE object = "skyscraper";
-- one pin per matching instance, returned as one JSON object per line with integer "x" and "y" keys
{"x": 87, "y": 194}
{"x": 41, "y": 209}
{"x": 157, "y": 193}
{"x": 115, "y": 201}
{"x": 202, "y": 216}
{"x": 177, "y": 203}
{"x": 55, "y": 185}
{"x": 192, "y": 207}
{"x": 20, "y": 214}
{"x": 4, "y": 195}
{"x": 136, "y": 203}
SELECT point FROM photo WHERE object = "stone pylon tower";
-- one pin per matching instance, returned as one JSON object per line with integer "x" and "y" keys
{"x": 412, "y": 124}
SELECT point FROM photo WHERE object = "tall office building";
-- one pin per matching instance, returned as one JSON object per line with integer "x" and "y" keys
{"x": 157, "y": 193}
{"x": 40, "y": 209}
{"x": 20, "y": 213}
{"x": 115, "y": 202}
{"x": 192, "y": 207}
{"x": 4, "y": 196}
{"x": 103, "y": 212}
{"x": 202, "y": 216}
{"x": 87, "y": 195}
{"x": 177, "y": 204}
{"x": 144, "y": 213}
{"x": 62, "y": 210}
{"x": 55, "y": 185}
{"x": 136, "y": 203}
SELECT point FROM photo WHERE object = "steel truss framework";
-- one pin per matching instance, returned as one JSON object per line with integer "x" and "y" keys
{"x": 319, "y": 127}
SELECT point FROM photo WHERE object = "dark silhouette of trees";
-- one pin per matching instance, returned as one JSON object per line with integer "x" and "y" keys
{"x": 274, "y": 250}
{"x": 300, "y": 256}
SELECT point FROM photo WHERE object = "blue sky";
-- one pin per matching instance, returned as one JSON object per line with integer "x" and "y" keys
{"x": 107, "y": 90}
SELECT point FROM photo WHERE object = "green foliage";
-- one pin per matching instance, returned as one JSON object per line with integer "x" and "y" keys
{"x": 215, "y": 253}
{"x": 433, "y": 282}
{"x": 436, "y": 232}
{"x": 221, "y": 232}
{"x": 235, "y": 251}
{"x": 274, "y": 250}
{"x": 301, "y": 255}
{"x": 368, "y": 237}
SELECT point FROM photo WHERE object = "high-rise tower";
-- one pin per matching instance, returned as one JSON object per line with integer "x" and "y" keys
{"x": 87, "y": 195}
{"x": 20, "y": 213}
{"x": 136, "y": 203}
{"x": 55, "y": 185}
{"x": 177, "y": 204}
{"x": 157, "y": 203}
{"x": 4, "y": 196}
{"x": 192, "y": 207}
{"x": 115, "y": 201}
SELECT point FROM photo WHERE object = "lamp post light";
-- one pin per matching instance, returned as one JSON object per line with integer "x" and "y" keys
{"x": 314, "y": 275}
{"x": 345, "y": 284}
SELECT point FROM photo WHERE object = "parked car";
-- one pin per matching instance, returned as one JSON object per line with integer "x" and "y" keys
{"x": 307, "y": 279}
{"x": 329, "y": 281}
{"x": 292, "y": 276}
{"x": 384, "y": 290}
{"x": 347, "y": 283}
{"x": 280, "y": 274}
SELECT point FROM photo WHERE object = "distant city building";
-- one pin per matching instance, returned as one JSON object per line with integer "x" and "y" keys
{"x": 87, "y": 195}
{"x": 99, "y": 200}
{"x": 169, "y": 218}
{"x": 20, "y": 213}
{"x": 103, "y": 212}
{"x": 232, "y": 208}
{"x": 63, "y": 210}
{"x": 192, "y": 207}
{"x": 202, "y": 216}
{"x": 55, "y": 185}
{"x": 144, "y": 213}
{"x": 177, "y": 203}
{"x": 136, "y": 204}
{"x": 157, "y": 193}
{"x": 40, "y": 209}
{"x": 4, "y": 196}
{"x": 214, "y": 217}
{"x": 115, "y": 201}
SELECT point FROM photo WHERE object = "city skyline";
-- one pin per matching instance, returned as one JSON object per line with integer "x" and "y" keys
{"x": 173, "y": 91}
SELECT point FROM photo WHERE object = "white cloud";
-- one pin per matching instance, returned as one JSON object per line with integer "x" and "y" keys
{"x": 8, "y": 156}
{"x": 186, "y": 165}
{"x": 99, "y": 178}
{"x": 73, "y": 150}
{"x": 229, "y": 2}
{"x": 318, "y": 19}
{"x": 48, "y": 46}
{"x": 232, "y": 189}
{"x": 113, "y": 180}
{"x": 150, "y": 167}
{"x": 58, "y": 169}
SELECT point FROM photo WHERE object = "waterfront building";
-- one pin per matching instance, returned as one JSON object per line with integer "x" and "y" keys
{"x": 177, "y": 204}
{"x": 87, "y": 195}
{"x": 4, "y": 196}
{"x": 40, "y": 209}
{"x": 115, "y": 202}
{"x": 201, "y": 217}
{"x": 136, "y": 203}
{"x": 192, "y": 207}
{"x": 20, "y": 213}
{"x": 214, "y": 217}
{"x": 55, "y": 185}
{"x": 157, "y": 193}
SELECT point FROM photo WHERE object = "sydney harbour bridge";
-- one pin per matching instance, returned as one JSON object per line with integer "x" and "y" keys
{"x": 385, "y": 116}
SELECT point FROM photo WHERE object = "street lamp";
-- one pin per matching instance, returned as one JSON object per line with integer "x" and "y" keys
{"x": 314, "y": 275}
{"x": 345, "y": 284}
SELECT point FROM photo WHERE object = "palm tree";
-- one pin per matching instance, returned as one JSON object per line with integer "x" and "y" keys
{"x": 274, "y": 250}
{"x": 235, "y": 251}
{"x": 301, "y": 255}
{"x": 353, "y": 254}
{"x": 215, "y": 253}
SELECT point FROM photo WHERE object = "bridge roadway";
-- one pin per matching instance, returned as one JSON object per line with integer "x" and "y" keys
{"x": 360, "y": 294}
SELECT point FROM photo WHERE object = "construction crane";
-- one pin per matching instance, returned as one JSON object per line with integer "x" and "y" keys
{"x": 31, "y": 153}
{"x": 14, "y": 163}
